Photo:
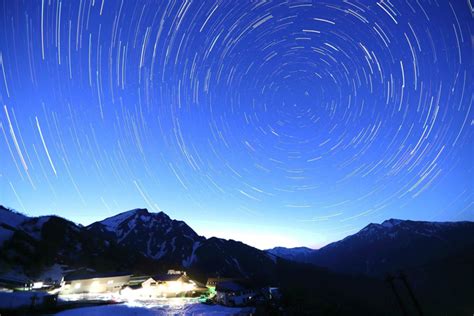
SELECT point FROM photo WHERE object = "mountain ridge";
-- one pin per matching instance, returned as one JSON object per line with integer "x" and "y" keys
{"x": 382, "y": 248}
{"x": 154, "y": 241}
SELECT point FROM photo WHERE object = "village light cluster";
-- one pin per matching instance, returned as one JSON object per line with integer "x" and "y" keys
{"x": 172, "y": 284}
{"x": 175, "y": 288}
{"x": 151, "y": 288}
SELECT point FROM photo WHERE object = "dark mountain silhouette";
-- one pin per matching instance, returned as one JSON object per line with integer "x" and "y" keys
{"x": 395, "y": 244}
{"x": 436, "y": 257}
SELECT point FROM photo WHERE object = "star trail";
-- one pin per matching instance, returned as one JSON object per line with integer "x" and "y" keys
{"x": 272, "y": 122}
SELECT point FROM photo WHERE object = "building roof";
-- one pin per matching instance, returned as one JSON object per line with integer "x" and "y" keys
{"x": 168, "y": 277}
{"x": 85, "y": 276}
{"x": 139, "y": 278}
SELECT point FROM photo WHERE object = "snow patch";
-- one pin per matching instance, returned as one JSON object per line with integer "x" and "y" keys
{"x": 112, "y": 223}
{"x": 161, "y": 251}
{"x": 391, "y": 223}
{"x": 187, "y": 262}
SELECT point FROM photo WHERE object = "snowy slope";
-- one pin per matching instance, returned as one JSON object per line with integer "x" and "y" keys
{"x": 158, "y": 237}
{"x": 168, "y": 307}
{"x": 11, "y": 218}
{"x": 9, "y": 223}
{"x": 155, "y": 235}
{"x": 112, "y": 223}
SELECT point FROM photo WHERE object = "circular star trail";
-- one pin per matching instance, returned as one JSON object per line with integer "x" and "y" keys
{"x": 313, "y": 116}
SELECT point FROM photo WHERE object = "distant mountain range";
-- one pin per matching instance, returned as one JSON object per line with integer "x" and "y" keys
{"x": 300, "y": 254}
{"x": 341, "y": 277}
{"x": 384, "y": 248}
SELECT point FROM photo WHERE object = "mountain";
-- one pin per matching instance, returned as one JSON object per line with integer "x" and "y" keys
{"x": 173, "y": 243}
{"x": 36, "y": 243}
{"x": 436, "y": 258}
{"x": 9, "y": 222}
{"x": 395, "y": 244}
{"x": 300, "y": 254}
{"x": 136, "y": 241}
{"x": 10, "y": 217}
{"x": 154, "y": 235}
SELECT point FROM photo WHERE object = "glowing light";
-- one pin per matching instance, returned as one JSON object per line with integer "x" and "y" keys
{"x": 95, "y": 286}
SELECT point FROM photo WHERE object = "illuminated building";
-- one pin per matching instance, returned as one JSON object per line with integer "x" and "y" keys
{"x": 94, "y": 283}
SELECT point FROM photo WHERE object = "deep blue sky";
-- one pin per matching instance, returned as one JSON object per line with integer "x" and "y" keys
{"x": 275, "y": 123}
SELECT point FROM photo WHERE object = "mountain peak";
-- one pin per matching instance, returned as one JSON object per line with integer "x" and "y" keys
{"x": 389, "y": 223}
{"x": 113, "y": 222}
{"x": 154, "y": 235}
{"x": 392, "y": 222}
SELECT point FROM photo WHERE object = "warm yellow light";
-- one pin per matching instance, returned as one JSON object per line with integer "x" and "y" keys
{"x": 165, "y": 289}
{"x": 95, "y": 286}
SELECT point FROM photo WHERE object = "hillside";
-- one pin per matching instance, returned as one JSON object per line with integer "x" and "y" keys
{"x": 436, "y": 257}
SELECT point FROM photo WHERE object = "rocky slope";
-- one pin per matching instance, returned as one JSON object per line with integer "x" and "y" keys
{"x": 136, "y": 240}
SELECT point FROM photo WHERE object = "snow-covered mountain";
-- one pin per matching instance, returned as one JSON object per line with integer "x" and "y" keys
{"x": 155, "y": 235}
{"x": 9, "y": 222}
{"x": 158, "y": 237}
{"x": 37, "y": 243}
{"x": 135, "y": 240}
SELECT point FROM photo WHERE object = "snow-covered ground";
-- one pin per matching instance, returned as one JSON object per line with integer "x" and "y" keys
{"x": 125, "y": 307}
{"x": 171, "y": 307}
{"x": 152, "y": 306}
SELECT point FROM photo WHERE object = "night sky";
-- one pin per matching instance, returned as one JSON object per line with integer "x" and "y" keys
{"x": 272, "y": 122}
